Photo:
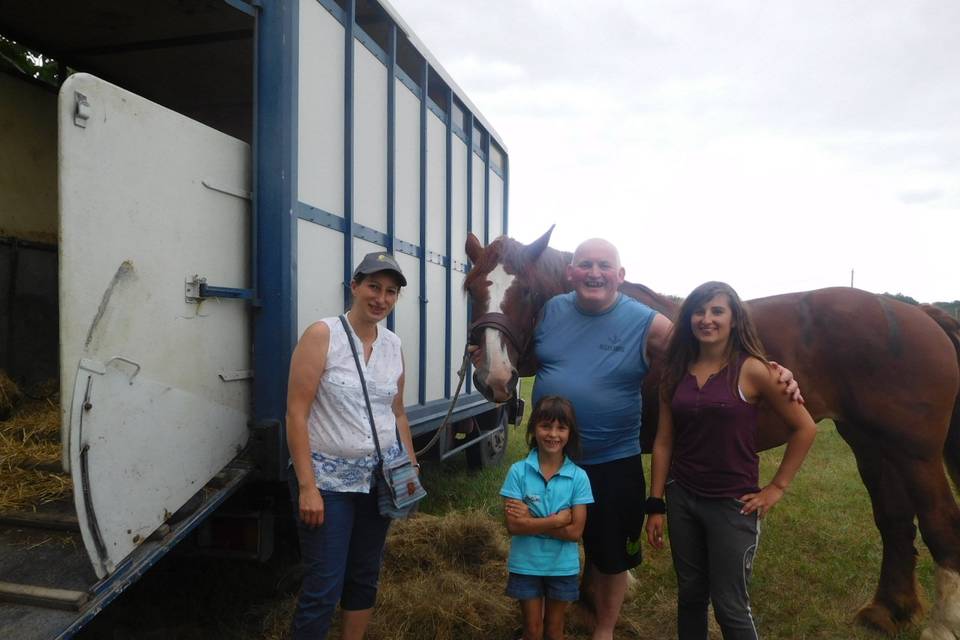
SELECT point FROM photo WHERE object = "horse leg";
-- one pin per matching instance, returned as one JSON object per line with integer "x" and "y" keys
{"x": 895, "y": 603}
{"x": 939, "y": 518}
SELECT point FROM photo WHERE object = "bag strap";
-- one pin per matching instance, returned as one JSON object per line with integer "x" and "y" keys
{"x": 363, "y": 384}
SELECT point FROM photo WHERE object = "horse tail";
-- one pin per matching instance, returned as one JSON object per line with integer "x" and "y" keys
{"x": 951, "y": 449}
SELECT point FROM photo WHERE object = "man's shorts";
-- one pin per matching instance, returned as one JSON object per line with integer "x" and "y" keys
{"x": 562, "y": 588}
{"x": 612, "y": 535}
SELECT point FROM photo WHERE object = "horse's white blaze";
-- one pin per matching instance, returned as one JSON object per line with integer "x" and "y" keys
{"x": 500, "y": 282}
{"x": 499, "y": 369}
{"x": 944, "y": 622}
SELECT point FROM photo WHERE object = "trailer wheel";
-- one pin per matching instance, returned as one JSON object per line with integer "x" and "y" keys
{"x": 490, "y": 451}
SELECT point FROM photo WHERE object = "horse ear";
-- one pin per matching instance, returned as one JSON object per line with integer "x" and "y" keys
{"x": 532, "y": 251}
{"x": 473, "y": 248}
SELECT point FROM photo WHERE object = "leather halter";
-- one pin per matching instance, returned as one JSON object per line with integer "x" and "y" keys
{"x": 501, "y": 323}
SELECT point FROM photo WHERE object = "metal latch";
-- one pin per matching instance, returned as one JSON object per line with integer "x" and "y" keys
{"x": 82, "y": 110}
{"x": 196, "y": 289}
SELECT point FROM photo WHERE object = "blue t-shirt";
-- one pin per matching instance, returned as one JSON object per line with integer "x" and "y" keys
{"x": 541, "y": 555}
{"x": 597, "y": 362}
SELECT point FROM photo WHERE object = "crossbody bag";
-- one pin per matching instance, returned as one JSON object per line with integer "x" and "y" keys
{"x": 398, "y": 485}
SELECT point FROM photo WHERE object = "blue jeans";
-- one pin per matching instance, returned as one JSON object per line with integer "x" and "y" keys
{"x": 342, "y": 558}
{"x": 560, "y": 588}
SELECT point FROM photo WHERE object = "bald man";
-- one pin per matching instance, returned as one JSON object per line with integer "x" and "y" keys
{"x": 594, "y": 346}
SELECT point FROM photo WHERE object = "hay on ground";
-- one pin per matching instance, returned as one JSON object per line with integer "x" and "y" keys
{"x": 29, "y": 451}
{"x": 444, "y": 578}
{"x": 9, "y": 395}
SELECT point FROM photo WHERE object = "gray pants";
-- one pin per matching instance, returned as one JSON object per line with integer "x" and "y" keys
{"x": 713, "y": 545}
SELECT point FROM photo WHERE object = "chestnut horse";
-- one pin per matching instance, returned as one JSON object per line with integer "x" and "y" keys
{"x": 886, "y": 372}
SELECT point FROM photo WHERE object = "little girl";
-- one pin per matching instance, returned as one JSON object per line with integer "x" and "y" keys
{"x": 545, "y": 500}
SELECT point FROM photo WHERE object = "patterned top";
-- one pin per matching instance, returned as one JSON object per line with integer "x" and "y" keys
{"x": 341, "y": 442}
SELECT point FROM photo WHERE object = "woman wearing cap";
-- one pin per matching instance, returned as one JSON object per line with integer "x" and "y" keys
{"x": 332, "y": 452}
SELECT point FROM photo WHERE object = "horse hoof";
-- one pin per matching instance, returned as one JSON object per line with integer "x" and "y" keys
{"x": 878, "y": 617}
{"x": 938, "y": 632}
{"x": 944, "y": 621}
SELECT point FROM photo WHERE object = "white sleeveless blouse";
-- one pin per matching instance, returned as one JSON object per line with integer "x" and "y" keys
{"x": 341, "y": 442}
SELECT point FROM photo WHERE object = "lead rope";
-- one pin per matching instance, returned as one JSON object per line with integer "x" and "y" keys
{"x": 462, "y": 373}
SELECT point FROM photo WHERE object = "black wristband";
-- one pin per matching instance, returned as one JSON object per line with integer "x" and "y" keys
{"x": 654, "y": 505}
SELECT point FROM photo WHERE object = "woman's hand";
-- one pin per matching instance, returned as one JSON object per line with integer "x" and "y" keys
{"x": 311, "y": 507}
{"x": 655, "y": 522}
{"x": 761, "y": 502}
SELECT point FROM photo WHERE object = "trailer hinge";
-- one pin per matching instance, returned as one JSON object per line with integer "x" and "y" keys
{"x": 196, "y": 290}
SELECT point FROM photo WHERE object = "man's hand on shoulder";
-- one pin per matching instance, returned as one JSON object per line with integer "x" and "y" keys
{"x": 790, "y": 385}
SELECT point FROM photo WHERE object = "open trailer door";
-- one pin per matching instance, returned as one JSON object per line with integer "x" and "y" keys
{"x": 155, "y": 378}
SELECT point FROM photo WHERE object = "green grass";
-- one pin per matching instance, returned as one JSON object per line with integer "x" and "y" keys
{"x": 452, "y": 486}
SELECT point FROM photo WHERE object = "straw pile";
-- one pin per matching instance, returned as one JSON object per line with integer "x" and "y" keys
{"x": 9, "y": 395}
{"x": 443, "y": 578}
{"x": 30, "y": 449}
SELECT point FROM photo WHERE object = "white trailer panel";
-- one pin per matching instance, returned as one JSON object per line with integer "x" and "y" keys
{"x": 408, "y": 325}
{"x": 476, "y": 217}
{"x": 320, "y": 109}
{"x": 458, "y": 320}
{"x": 496, "y": 205}
{"x": 458, "y": 223}
{"x": 319, "y": 269}
{"x": 370, "y": 140}
{"x": 160, "y": 385}
{"x": 408, "y": 165}
{"x": 436, "y": 330}
{"x": 436, "y": 185}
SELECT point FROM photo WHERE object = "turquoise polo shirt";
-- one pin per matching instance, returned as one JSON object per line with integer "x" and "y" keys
{"x": 541, "y": 555}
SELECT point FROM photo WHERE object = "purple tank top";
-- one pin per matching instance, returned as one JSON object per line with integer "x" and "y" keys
{"x": 715, "y": 437}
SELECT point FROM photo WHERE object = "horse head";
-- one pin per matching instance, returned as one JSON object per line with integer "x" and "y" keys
{"x": 508, "y": 285}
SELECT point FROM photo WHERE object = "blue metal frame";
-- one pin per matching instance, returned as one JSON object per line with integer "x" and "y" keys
{"x": 506, "y": 191}
{"x": 209, "y": 291}
{"x": 391, "y": 150}
{"x": 469, "y": 124}
{"x": 275, "y": 168}
{"x": 422, "y": 386}
{"x": 245, "y": 7}
{"x": 349, "y": 21}
{"x": 448, "y": 324}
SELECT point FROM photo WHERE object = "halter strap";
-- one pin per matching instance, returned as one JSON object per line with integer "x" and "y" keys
{"x": 501, "y": 323}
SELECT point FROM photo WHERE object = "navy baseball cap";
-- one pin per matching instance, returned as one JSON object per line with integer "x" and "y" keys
{"x": 379, "y": 261}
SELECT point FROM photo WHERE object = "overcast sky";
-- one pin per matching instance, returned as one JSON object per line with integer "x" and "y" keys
{"x": 774, "y": 145}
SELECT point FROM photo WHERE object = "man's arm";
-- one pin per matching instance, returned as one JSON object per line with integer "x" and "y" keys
{"x": 658, "y": 337}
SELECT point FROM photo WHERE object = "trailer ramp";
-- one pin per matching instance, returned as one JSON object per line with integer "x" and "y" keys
{"x": 48, "y": 588}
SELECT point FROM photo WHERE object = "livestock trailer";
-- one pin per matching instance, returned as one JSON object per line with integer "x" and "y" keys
{"x": 184, "y": 187}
